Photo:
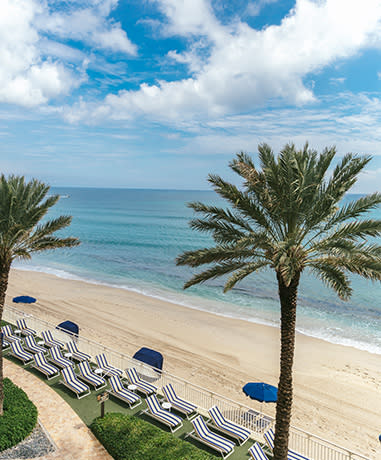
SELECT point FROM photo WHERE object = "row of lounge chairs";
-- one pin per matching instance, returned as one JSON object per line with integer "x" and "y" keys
{"x": 201, "y": 429}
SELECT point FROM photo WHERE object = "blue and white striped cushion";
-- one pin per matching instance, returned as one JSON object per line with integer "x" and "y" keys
{"x": 213, "y": 439}
{"x": 119, "y": 389}
{"x": 21, "y": 324}
{"x": 269, "y": 437}
{"x": 58, "y": 358}
{"x": 257, "y": 453}
{"x": 48, "y": 339}
{"x": 32, "y": 345}
{"x": 71, "y": 379}
{"x": 227, "y": 425}
{"x": 128, "y": 395}
{"x": 135, "y": 379}
{"x": 103, "y": 364}
{"x": 171, "y": 396}
{"x": 18, "y": 351}
{"x": 155, "y": 409}
{"x": 295, "y": 456}
{"x": 72, "y": 347}
{"x": 8, "y": 334}
{"x": 85, "y": 370}
{"x": 116, "y": 383}
{"x": 41, "y": 363}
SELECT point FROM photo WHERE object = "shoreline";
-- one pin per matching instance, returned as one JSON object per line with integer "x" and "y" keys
{"x": 337, "y": 389}
{"x": 66, "y": 275}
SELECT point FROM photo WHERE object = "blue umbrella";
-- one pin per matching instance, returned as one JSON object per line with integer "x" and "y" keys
{"x": 24, "y": 299}
{"x": 260, "y": 391}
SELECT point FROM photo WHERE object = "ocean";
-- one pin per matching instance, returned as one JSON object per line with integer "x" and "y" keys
{"x": 130, "y": 239}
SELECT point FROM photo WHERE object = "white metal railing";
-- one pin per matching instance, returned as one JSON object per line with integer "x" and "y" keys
{"x": 308, "y": 444}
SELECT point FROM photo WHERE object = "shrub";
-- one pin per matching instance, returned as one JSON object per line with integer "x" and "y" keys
{"x": 19, "y": 417}
{"x": 127, "y": 437}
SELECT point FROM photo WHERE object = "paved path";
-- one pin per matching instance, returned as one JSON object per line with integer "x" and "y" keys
{"x": 73, "y": 439}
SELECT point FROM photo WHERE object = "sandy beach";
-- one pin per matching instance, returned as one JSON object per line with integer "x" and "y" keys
{"x": 337, "y": 389}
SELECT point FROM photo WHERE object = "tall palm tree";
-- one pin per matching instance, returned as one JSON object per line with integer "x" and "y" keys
{"x": 288, "y": 217}
{"x": 22, "y": 206}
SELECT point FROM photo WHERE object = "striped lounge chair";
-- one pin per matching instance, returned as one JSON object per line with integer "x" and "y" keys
{"x": 25, "y": 330}
{"x": 57, "y": 358}
{"x": 202, "y": 433}
{"x": 18, "y": 352}
{"x": 142, "y": 385}
{"x": 155, "y": 411}
{"x": 49, "y": 341}
{"x": 71, "y": 381}
{"x": 8, "y": 334}
{"x": 228, "y": 427}
{"x": 257, "y": 453}
{"x": 107, "y": 369}
{"x": 88, "y": 376}
{"x": 43, "y": 366}
{"x": 269, "y": 438}
{"x": 78, "y": 355}
{"x": 179, "y": 404}
{"x": 5, "y": 344}
{"x": 31, "y": 345}
{"x": 119, "y": 391}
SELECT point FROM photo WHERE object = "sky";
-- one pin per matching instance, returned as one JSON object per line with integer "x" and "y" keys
{"x": 160, "y": 93}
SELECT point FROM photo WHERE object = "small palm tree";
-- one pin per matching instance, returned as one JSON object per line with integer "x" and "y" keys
{"x": 288, "y": 217}
{"x": 22, "y": 206}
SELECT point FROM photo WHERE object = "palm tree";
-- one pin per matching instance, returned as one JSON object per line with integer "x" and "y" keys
{"x": 288, "y": 217}
{"x": 22, "y": 206}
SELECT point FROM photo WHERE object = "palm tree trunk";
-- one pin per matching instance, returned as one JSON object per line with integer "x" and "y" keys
{"x": 288, "y": 297}
{"x": 4, "y": 273}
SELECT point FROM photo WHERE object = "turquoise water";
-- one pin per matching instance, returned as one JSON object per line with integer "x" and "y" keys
{"x": 130, "y": 239}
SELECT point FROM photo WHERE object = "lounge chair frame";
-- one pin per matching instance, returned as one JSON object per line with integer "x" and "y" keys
{"x": 141, "y": 385}
{"x": 35, "y": 345}
{"x": 73, "y": 389}
{"x": 43, "y": 371}
{"x": 292, "y": 455}
{"x": 116, "y": 395}
{"x": 86, "y": 379}
{"x": 108, "y": 370}
{"x": 88, "y": 391}
{"x": 193, "y": 435}
{"x": 173, "y": 399}
{"x": 257, "y": 452}
{"x": 212, "y": 424}
{"x": 48, "y": 376}
{"x": 161, "y": 419}
{"x": 25, "y": 330}
{"x": 26, "y": 361}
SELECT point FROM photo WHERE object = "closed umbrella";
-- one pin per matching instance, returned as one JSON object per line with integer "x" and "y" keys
{"x": 24, "y": 299}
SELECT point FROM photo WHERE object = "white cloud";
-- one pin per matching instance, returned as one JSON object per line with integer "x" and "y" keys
{"x": 25, "y": 78}
{"x": 245, "y": 68}
{"x": 87, "y": 21}
{"x": 35, "y": 67}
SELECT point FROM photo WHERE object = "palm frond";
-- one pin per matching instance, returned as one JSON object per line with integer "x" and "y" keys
{"x": 333, "y": 277}
{"x": 242, "y": 273}
{"x": 214, "y": 272}
{"x": 213, "y": 255}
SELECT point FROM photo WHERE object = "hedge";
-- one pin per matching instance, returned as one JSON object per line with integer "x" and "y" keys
{"x": 19, "y": 416}
{"x": 126, "y": 437}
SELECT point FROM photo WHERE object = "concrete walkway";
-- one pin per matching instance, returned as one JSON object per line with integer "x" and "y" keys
{"x": 73, "y": 439}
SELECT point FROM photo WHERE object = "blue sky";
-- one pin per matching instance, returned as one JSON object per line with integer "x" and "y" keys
{"x": 158, "y": 93}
